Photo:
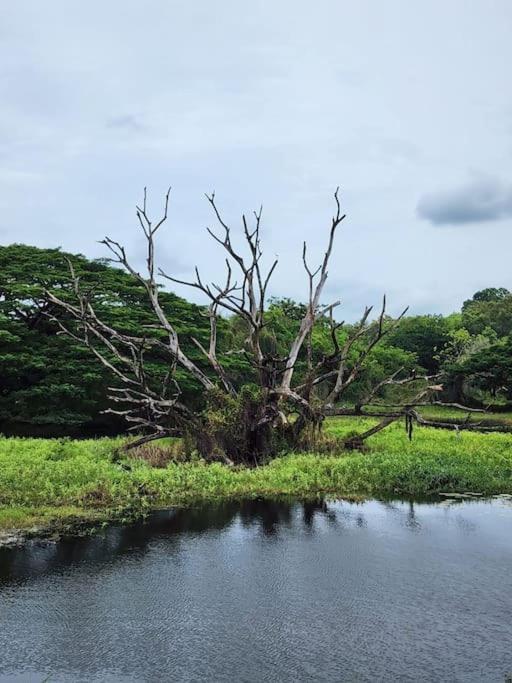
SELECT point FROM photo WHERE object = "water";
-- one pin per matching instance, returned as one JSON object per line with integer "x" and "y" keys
{"x": 268, "y": 592}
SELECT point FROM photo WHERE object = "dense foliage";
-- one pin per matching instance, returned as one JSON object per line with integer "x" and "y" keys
{"x": 50, "y": 383}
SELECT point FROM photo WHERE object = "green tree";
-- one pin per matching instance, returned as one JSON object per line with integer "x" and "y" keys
{"x": 426, "y": 336}
{"x": 49, "y": 383}
{"x": 489, "y": 308}
{"x": 488, "y": 294}
{"x": 491, "y": 368}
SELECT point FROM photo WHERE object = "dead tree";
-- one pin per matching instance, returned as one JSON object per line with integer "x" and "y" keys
{"x": 277, "y": 411}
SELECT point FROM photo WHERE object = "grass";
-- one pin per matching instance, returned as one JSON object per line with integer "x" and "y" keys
{"x": 57, "y": 482}
{"x": 440, "y": 413}
{"x": 67, "y": 516}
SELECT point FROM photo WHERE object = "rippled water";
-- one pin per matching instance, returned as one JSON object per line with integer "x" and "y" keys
{"x": 266, "y": 591}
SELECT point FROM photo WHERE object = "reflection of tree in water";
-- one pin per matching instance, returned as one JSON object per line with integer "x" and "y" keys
{"x": 113, "y": 543}
{"x": 177, "y": 525}
{"x": 412, "y": 522}
{"x": 268, "y": 515}
{"x": 310, "y": 509}
{"x": 405, "y": 512}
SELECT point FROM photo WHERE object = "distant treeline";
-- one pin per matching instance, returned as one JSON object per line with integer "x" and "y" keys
{"x": 52, "y": 385}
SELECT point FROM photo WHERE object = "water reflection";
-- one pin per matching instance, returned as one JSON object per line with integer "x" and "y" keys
{"x": 267, "y": 591}
{"x": 268, "y": 517}
{"x": 115, "y": 542}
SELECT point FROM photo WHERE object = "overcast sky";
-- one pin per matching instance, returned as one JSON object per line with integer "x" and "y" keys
{"x": 406, "y": 105}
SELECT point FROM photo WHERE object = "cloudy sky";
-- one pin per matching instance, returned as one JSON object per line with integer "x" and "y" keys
{"x": 406, "y": 105}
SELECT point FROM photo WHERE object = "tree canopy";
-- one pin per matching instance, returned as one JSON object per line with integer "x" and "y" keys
{"x": 49, "y": 382}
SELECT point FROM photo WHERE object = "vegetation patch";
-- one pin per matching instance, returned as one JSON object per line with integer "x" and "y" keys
{"x": 59, "y": 482}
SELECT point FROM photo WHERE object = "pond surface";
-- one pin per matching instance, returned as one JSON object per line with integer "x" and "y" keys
{"x": 266, "y": 591}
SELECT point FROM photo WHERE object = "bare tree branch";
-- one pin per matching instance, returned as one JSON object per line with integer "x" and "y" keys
{"x": 314, "y": 297}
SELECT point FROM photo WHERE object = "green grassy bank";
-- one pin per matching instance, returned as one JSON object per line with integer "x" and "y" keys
{"x": 45, "y": 482}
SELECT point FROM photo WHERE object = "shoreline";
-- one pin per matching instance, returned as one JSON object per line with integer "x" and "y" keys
{"x": 80, "y": 527}
{"x": 53, "y": 487}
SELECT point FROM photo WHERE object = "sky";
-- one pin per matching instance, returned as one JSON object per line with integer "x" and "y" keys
{"x": 407, "y": 106}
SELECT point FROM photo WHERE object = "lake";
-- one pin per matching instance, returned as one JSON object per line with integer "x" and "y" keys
{"x": 268, "y": 591}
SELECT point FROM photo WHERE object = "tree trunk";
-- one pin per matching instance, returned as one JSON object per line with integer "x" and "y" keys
{"x": 456, "y": 390}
